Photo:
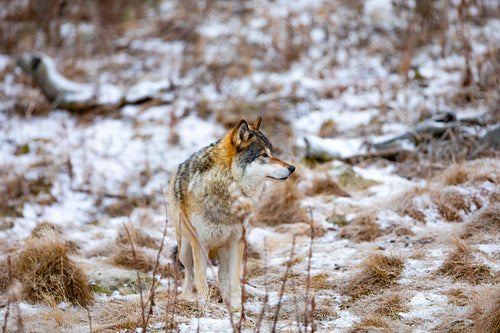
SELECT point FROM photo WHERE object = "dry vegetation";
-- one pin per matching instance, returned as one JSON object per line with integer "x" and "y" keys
{"x": 372, "y": 323}
{"x": 485, "y": 220}
{"x": 488, "y": 313}
{"x": 405, "y": 205}
{"x": 463, "y": 264}
{"x": 281, "y": 204}
{"x": 363, "y": 228}
{"x": 326, "y": 186}
{"x": 90, "y": 38}
{"x": 47, "y": 273}
{"x": 378, "y": 272}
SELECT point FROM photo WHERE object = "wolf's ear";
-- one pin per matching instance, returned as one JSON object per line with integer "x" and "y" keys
{"x": 257, "y": 124}
{"x": 241, "y": 132}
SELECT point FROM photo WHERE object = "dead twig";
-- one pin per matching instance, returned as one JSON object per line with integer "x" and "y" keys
{"x": 266, "y": 295}
{"x": 285, "y": 278}
{"x": 157, "y": 264}
{"x": 308, "y": 278}
{"x": 143, "y": 306}
{"x": 90, "y": 319}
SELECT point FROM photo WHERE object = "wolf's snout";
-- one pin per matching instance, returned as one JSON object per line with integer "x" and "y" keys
{"x": 291, "y": 168}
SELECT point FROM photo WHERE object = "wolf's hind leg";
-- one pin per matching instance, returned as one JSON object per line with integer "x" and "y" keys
{"x": 186, "y": 257}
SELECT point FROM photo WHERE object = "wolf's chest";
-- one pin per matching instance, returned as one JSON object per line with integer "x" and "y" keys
{"x": 216, "y": 235}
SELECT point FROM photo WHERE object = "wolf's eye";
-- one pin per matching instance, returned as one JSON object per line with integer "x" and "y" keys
{"x": 264, "y": 154}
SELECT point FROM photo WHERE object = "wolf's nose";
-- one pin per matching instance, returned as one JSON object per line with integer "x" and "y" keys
{"x": 291, "y": 168}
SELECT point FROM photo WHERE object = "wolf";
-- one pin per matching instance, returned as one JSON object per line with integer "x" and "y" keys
{"x": 202, "y": 194}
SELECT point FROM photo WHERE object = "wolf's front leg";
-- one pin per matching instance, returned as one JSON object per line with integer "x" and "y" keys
{"x": 230, "y": 258}
{"x": 200, "y": 267}
{"x": 186, "y": 257}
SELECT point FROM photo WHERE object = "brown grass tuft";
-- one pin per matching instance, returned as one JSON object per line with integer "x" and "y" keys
{"x": 322, "y": 281}
{"x": 48, "y": 274}
{"x": 326, "y": 186}
{"x": 455, "y": 175}
{"x": 123, "y": 256}
{"x": 378, "y": 272}
{"x": 488, "y": 318}
{"x": 372, "y": 323}
{"x": 461, "y": 264}
{"x": 362, "y": 229}
{"x": 389, "y": 303}
{"x": 487, "y": 220}
{"x": 325, "y": 311}
{"x": 139, "y": 237}
{"x": 117, "y": 315}
{"x": 328, "y": 129}
{"x": 454, "y": 325}
{"x": 405, "y": 206}
{"x": 280, "y": 204}
{"x": 450, "y": 203}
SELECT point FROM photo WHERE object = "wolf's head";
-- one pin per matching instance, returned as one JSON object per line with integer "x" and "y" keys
{"x": 254, "y": 161}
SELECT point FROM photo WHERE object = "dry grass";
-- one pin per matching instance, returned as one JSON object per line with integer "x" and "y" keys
{"x": 280, "y": 204}
{"x": 404, "y": 205}
{"x": 125, "y": 206}
{"x": 328, "y": 129}
{"x": 362, "y": 229}
{"x": 454, "y": 325}
{"x": 326, "y": 186}
{"x": 455, "y": 175}
{"x": 476, "y": 171}
{"x": 117, "y": 315}
{"x": 123, "y": 256}
{"x": 459, "y": 297}
{"x": 16, "y": 191}
{"x": 389, "y": 304}
{"x": 322, "y": 281}
{"x": 139, "y": 237}
{"x": 450, "y": 203}
{"x": 485, "y": 220}
{"x": 372, "y": 323}
{"x": 324, "y": 311}
{"x": 461, "y": 264}
{"x": 488, "y": 313}
{"x": 48, "y": 274}
{"x": 378, "y": 272}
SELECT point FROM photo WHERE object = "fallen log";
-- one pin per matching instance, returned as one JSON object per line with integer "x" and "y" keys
{"x": 75, "y": 96}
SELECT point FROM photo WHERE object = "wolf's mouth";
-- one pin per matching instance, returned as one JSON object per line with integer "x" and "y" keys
{"x": 278, "y": 179}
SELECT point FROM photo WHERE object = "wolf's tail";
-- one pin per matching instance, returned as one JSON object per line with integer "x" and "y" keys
{"x": 175, "y": 258}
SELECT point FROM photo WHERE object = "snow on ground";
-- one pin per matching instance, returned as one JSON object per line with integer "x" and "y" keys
{"x": 91, "y": 166}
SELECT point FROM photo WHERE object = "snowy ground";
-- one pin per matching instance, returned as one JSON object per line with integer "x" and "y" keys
{"x": 299, "y": 64}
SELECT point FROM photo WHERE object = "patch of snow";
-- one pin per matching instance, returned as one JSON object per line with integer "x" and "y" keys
{"x": 4, "y": 61}
{"x": 337, "y": 147}
{"x": 208, "y": 325}
{"x": 346, "y": 319}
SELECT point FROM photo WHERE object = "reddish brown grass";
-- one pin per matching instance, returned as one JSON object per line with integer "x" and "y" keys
{"x": 485, "y": 220}
{"x": 488, "y": 313}
{"x": 280, "y": 204}
{"x": 378, "y": 272}
{"x": 362, "y": 229}
{"x": 48, "y": 274}
{"x": 405, "y": 206}
{"x": 372, "y": 323}
{"x": 461, "y": 264}
{"x": 450, "y": 203}
{"x": 326, "y": 186}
